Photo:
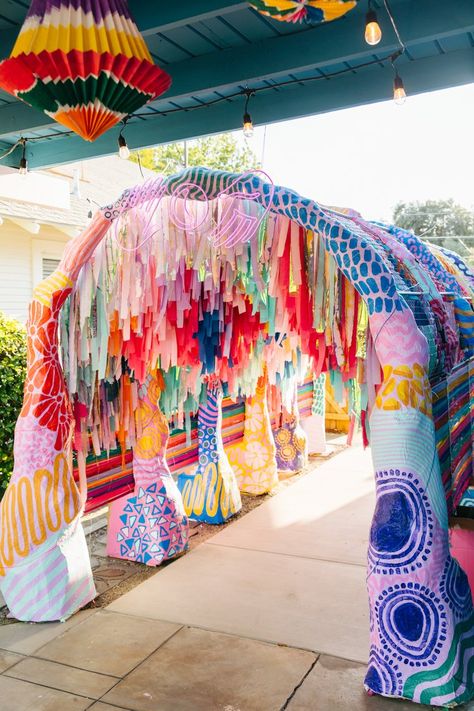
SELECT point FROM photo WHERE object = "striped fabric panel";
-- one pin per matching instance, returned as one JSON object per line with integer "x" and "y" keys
{"x": 465, "y": 321}
{"x": 109, "y": 479}
{"x": 66, "y": 24}
{"x": 37, "y": 591}
{"x": 305, "y": 397}
{"x": 441, "y": 422}
{"x": 453, "y": 414}
{"x": 57, "y": 281}
{"x": 208, "y": 411}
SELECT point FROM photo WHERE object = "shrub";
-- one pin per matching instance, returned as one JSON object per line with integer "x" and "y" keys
{"x": 12, "y": 377}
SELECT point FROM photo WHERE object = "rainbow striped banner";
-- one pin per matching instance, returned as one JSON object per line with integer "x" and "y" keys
{"x": 453, "y": 414}
{"x": 111, "y": 477}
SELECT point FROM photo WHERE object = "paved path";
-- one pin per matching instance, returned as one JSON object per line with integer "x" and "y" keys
{"x": 269, "y": 615}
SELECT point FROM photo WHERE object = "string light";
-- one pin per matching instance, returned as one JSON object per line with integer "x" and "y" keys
{"x": 399, "y": 93}
{"x": 124, "y": 151}
{"x": 373, "y": 33}
{"x": 23, "y": 167}
{"x": 247, "y": 120}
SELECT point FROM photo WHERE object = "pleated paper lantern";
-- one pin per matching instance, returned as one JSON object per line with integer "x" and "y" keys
{"x": 85, "y": 64}
{"x": 313, "y": 12}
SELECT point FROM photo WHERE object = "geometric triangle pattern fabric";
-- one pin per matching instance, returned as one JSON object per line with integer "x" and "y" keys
{"x": 211, "y": 493}
{"x": 253, "y": 459}
{"x": 84, "y": 64}
{"x": 150, "y": 525}
{"x": 150, "y": 529}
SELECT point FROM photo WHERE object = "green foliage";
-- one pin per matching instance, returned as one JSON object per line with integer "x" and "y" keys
{"x": 222, "y": 152}
{"x": 12, "y": 377}
{"x": 434, "y": 218}
{"x": 438, "y": 218}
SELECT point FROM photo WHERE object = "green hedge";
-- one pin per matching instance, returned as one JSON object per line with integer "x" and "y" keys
{"x": 12, "y": 377}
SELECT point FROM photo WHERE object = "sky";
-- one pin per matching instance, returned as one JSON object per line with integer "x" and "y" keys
{"x": 371, "y": 157}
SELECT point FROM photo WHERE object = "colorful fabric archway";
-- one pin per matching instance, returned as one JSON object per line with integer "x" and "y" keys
{"x": 414, "y": 583}
{"x": 84, "y": 64}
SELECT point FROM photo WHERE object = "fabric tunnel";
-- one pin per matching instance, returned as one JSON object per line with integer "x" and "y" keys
{"x": 213, "y": 306}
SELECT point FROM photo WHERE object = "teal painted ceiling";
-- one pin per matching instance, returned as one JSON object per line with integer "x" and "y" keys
{"x": 217, "y": 48}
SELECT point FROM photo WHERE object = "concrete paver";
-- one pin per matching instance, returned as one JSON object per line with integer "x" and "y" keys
{"x": 260, "y": 601}
{"x": 28, "y": 638}
{"x": 336, "y": 684}
{"x": 17, "y": 695}
{"x": 108, "y": 643}
{"x": 324, "y": 515}
{"x": 198, "y": 670}
{"x": 8, "y": 659}
{"x": 64, "y": 678}
{"x": 300, "y": 602}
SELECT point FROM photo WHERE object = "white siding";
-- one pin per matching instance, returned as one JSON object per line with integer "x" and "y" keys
{"x": 15, "y": 271}
{"x": 21, "y": 265}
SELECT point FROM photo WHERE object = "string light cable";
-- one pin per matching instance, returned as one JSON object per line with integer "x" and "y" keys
{"x": 394, "y": 25}
{"x": 10, "y": 150}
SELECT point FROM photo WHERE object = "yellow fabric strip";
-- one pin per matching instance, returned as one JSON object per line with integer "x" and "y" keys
{"x": 54, "y": 283}
{"x": 67, "y": 38}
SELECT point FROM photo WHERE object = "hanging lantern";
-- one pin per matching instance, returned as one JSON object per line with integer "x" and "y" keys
{"x": 85, "y": 64}
{"x": 314, "y": 12}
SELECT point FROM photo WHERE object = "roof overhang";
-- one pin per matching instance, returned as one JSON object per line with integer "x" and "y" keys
{"x": 217, "y": 48}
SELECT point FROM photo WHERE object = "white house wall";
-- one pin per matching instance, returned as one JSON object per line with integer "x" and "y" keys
{"x": 21, "y": 255}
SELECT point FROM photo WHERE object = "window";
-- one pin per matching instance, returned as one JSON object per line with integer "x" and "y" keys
{"x": 46, "y": 256}
{"x": 48, "y": 266}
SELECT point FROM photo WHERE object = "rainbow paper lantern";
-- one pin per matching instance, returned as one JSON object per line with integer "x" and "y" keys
{"x": 313, "y": 12}
{"x": 85, "y": 64}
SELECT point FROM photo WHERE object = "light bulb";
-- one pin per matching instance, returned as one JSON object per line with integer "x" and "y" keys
{"x": 248, "y": 126}
{"x": 23, "y": 169}
{"x": 373, "y": 33}
{"x": 124, "y": 151}
{"x": 399, "y": 94}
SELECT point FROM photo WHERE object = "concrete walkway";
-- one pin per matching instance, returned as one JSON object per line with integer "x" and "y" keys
{"x": 270, "y": 614}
